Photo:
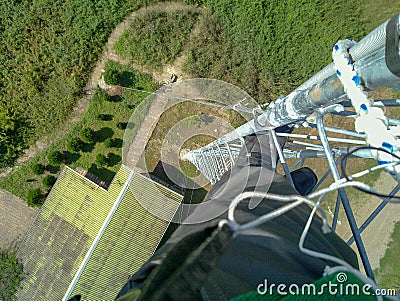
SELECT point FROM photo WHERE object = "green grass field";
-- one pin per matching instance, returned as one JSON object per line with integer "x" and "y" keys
{"x": 156, "y": 38}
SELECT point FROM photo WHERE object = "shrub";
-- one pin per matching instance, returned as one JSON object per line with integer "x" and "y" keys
{"x": 48, "y": 181}
{"x": 38, "y": 169}
{"x": 108, "y": 143}
{"x": 101, "y": 160}
{"x": 74, "y": 145}
{"x": 34, "y": 197}
{"x": 87, "y": 135}
{"x": 111, "y": 76}
{"x": 55, "y": 158}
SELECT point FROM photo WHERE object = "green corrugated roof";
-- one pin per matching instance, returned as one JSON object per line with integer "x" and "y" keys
{"x": 68, "y": 223}
{"x": 130, "y": 239}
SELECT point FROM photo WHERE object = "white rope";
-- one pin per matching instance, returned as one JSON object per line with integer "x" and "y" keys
{"x": 369, "y": 120}
{"x": 295, "y": 201}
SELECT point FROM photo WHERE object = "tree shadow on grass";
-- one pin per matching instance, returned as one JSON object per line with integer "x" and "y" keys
{"x": 113, "y": 159}
{"x": 104, "y": 133}
{"x": 70, "y": 158}
{"x": 53, "y": 169}
{"x": 126, "y": 78}
{"x": 116, "y": 98}
{"x": 102, "y": 173}
{"x": 117, "y": 142}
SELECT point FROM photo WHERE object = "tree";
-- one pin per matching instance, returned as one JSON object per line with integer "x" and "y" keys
{"x": 55, "y": 158}
{"x": 74, "y": 145}
{"x": 101, "y": 160}
{"x": 11, "y": 274}
{"x": 48, "y": 181}
{"x": 111, "y": 76}
{"x": 87, "y": 135}
{"x": 35, "y": 197}
{"x": 108, "y": 143}
{"x": 38, "y": 169}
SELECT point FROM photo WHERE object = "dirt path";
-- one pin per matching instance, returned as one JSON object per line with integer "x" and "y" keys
{"x": 159, "y": 77}
{"x": 145, "y": 131}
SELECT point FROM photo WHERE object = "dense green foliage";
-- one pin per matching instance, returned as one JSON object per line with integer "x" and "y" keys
{"x": 47, "y": 49}
{"x": 267, "y": 47}
{"x": 74, "y": 145}
{"x": 38, "y": 169}
{"x": 48, "y": 181}
{"x": 111, "y": 77}
{"x": 12, "y": 134}
{"x": 11, "y": 274}
{"x": 108, "y": 143}
{"x": 35, "y": 197}
{"x": 87, "y": 135}
{"x": 101, "y": 160}
{"x": 156, "y": 38}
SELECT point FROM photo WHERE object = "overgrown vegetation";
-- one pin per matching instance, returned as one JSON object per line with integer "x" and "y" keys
{"x": 47, "y": 50}
{"x": 35, "y": 197}
{"x": 48, "y": 181}
{"x": 120, "y": 109}
{"x": 55, "y": 158}
{"x": 11, "y": 274}
{"x": 155, "y": 38}
{"x": 388, "y": 274}
{"x": 269, "y": 47}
